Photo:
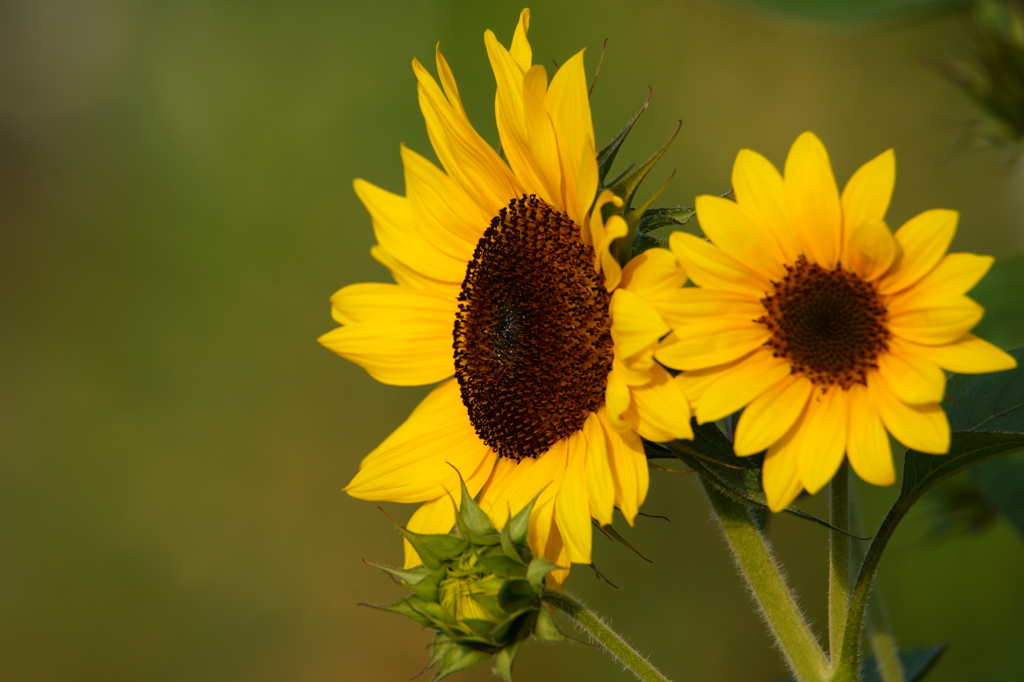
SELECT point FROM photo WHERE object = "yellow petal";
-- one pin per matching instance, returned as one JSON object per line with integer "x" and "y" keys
{"x": 812, "y": 201}
{"x": 866, "y": 196}
{"x": 601, "y": 236}
{"x": 867, "y": 443}
{"x": 729, "y": 228}
{"x": 821, "y": 441}
{"x": 467, "y": 158}
{"x": 923, "y": 242}
{"x": 679, "y": 307}
{"x": 656, "y": 276}
{"x": 695, "y": 382}
{"x": 968, "y": 355}
{"x": 636, "y": 325}
{"x": 400, "y": 336}
{"x": 600, "y": 481}
{"x": 617, "y": 397}
{"x": 432, "y": 518}
{"x": 921, "y": 427}
{"x": 734, "y": 389}
{"x": 944, "y": 323}
{"x": 712, "y": 268}
{"x": 408, "y": 277}
{"x": 556, "y": 553}
{"x": 399, "y": 230}
{"x": 572, "y": 506}
{"x": 419, "y": 461}
{"x": 629, "y": 466}
{"x": 761, "y": 194}
{"x": 521, "y": 50}
{"x": 956, "y": 274}
{"x": 914, "y": 379}
{"x": 540, "y": 131}
{"x": 451, "y": 90}
{"x": 444, "y": 214}
{"x": 661, "y": 409}
{"x": 568, "y": 103}
{"x": 780, "y": 475}
{"x": 871, "y": 250}
{"x": 770, "y": 415}
{"x": 712, "y": 342}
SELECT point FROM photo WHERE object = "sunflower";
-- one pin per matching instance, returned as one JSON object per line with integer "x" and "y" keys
{"x": 505, "y": 280}
{"x": 824, "y": 327}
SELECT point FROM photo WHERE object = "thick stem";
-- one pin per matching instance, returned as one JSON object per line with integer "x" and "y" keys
{"x": 604, "y": 635}
{"x": 840, "y": 582}
{"x": 759, "y": 568}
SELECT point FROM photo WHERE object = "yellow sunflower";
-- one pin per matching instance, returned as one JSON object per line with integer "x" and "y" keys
{"x": 504, "y": 279}
{"x": 824, "y": 327}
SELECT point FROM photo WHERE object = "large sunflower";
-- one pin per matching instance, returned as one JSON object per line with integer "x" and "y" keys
{"x": 504, "y": 279}
{"x": 826, "y": 329}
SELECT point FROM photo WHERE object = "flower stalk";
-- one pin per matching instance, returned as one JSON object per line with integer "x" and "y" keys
{"x": 599, "y": 631}
{"x": 840, "y": 583}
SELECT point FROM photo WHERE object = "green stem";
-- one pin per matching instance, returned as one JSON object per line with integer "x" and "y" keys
{"x": 604, "y": 635}
{"x": 757, "y": 565}
{"x": 840, "y": 582}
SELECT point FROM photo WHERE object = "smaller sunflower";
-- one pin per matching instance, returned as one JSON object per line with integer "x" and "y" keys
{"x": 824, "y": 327}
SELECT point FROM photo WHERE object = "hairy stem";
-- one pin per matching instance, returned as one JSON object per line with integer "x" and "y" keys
{"x": 599, "y": 631}
{"x": 760, "y": 570}
{"x": 840, "y": 582}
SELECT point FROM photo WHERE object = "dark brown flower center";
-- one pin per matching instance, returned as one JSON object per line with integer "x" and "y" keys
{"x": 830, "y": 324}
{"x": 533, "y": 344}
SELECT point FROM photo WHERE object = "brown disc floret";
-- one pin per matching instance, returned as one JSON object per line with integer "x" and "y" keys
{"x": 828, "y": 323}
{"x": 533, "y": 345}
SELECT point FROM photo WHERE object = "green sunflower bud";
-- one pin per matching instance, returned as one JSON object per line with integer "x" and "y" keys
{"x": 480, "y": 591}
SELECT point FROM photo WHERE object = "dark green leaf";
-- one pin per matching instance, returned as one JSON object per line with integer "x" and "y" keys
{"x": 858, "y": 11}
{"x": 606, "y": 157}
{"x": 1001, "y": 483}
{"x": 457, "y": 658}
{"x": 710, "y": 454}
{"x": 517, "y": 626}
{"x": 517, "y": 595}
{"x": 999, "y": 293}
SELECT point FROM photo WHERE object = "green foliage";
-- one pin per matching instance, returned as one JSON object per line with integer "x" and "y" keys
{"x": 480, "y": 592}
{"x": 1001, "y": 484}
{"x": 999, "y": 294}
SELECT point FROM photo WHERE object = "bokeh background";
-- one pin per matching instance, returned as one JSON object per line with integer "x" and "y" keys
{"x": 175, "y": 210}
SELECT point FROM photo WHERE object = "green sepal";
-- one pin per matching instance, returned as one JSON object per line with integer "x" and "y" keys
{"x": 490, "y": 604}
{"x": 517, "y": 626}
{"x": 502, "y": 565}
{"x": 606, "y": 157}
{"x": 537, "y": 570}
{"x": 459, "y": 657}
{"x": 420, "y": 580}
{"x": 482, "y": 628}
{"x": 519, "y": 525}
{"x": 472, "y": 521}
{"x": 504, "y": 660}
{"x": 546, "y": 630}
{"x": 626, "y": 188}
{"x": 404, "y": 608}
{"x": 434, "y": 550}
{"x": 516, "y": 595}
{"x": 655, "y": 218}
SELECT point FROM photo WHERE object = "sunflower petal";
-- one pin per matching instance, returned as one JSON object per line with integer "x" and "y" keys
{"x": 636, "y": 324}
{"x": 812, "y": 201}
{"x": 568, "y": 103}
{"x": 921, "y": 427}
{"x": 923, "y": 242}
{"x": 944, "y": 323}
{"x": 761, "y": 194}
{"x": 867, "y": 443}
{"x": 780, "y": 474}
{"x": 735, "y": 388}
{"x": 967, "y": 355}
{"x": 600, "y": 481}
{"x": 871, "y": 250}
{"x": 662, "y": 411}
{"x": 432, "y": 518}
{"x": 913, "y": 378}
{"x": 867, "y": 195}
{"x": 572, "y": 506}
{"x": 770, "y": 415}
{"x": 412, "y": 464}
{"x": 521, "y": 50}
{"x": 712, "y": 268}
{"x": 710, "y": 342}
{"x": 629, "y": 465}
{"x": 956, "y": 274}
{"x": 822, "y": 438}
{"x": 729, "y": 228}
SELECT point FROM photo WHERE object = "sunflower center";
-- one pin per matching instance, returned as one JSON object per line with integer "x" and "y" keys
{"x": 533, "y": 344}
{"x": 830, "y": 324}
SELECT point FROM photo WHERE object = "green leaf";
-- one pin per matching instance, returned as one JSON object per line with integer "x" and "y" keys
{"x": 999, "y": 293}
{"x": 546, "y": 629}
{"x": 537, "y": 569}
{"x": 858, "y": 11}
{"x": 1001, "y": 483}
{"x": 655, "y": 218}
{"x": 710, "y": 454}
{"x": 606, "y": 157}
{"x": 986, "y": 413}
{"x": 517, "y": 595}
{"x": 459, "y": 657}
{"x": 503, "y": 661}
{"x": 916, "y": 663}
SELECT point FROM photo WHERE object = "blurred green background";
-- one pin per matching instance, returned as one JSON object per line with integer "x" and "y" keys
{"x": 175, "y": 210}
